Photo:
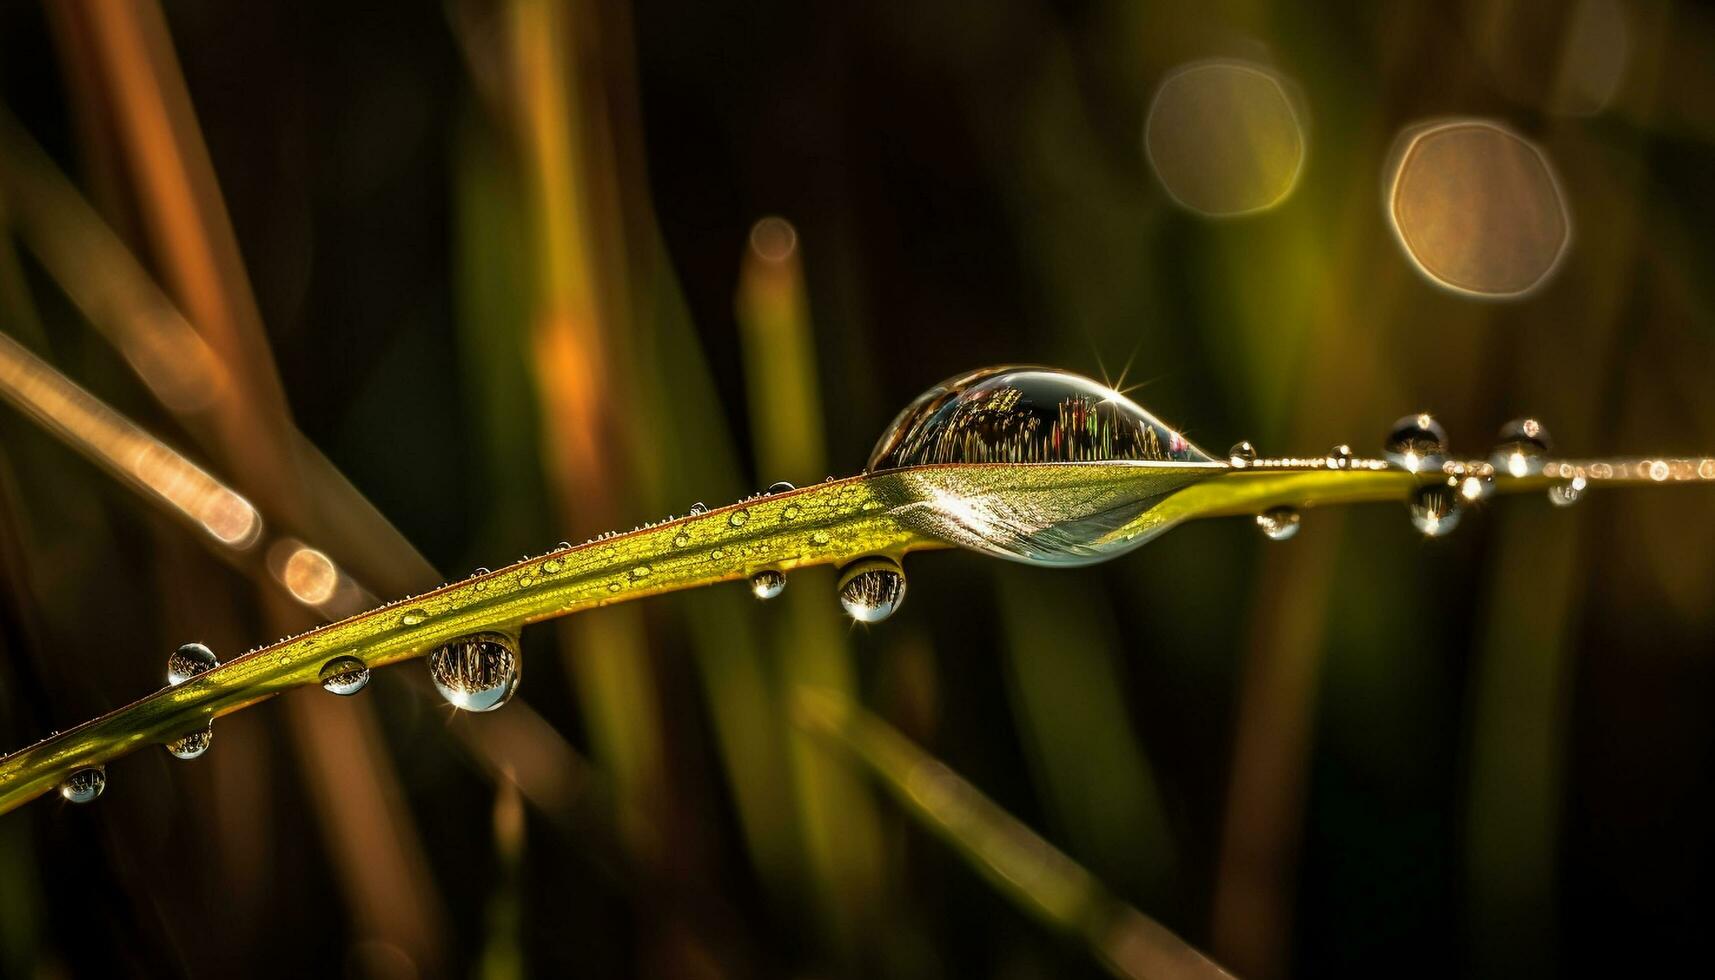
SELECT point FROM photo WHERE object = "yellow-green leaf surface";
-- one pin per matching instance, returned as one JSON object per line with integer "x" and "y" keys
{"x": 889, "y": 513}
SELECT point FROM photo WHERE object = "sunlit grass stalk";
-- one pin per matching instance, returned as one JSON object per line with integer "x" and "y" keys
{"x": 1018, "y": 863}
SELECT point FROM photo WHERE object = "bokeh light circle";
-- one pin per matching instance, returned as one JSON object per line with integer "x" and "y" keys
{"x": 1477, "y": 208}
{"x": 1224, "y": 138}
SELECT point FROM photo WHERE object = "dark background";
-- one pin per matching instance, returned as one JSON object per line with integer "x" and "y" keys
{"x": 1488, "y": 754}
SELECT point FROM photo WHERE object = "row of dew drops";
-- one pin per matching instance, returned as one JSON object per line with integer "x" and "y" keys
{"x": 480, "y": 672}
{"x": 1418, "y": 444}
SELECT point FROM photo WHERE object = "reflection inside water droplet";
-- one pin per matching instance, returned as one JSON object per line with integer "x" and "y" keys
{"x": 1340, "y": 457}
{"x": 699, "y": 508}
{"x": 476, "y": 673}
{"x": 871, "y": 589}
{"x": 1522, "y": 448}
{"x": 1278, "y": 523}
{"x": 767, "y": 583}
{"x": 1568, "y": 493}
{"x": 1242, "y": 454}
{"x": 1435, "y": 510}
{"x": 1040, "y": 416}
{"x": 344, "y": 676}
{"x": 188, "y": 661}
{"x": 84, "y": 785}
{"x": 1416, "y": 444}
{"x": 193, "y": 744}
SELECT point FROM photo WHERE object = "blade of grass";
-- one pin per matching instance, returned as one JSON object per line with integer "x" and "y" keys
{"x": 1018, "y": 863}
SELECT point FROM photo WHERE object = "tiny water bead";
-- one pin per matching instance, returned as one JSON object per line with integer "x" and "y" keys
{"x": 699, "y": 508}
{"x": 476, "y": 673}
{"x": 1435, "y": 510}
{"x": 767, "y": 583}
{"x": 738, "y": 517}
{"x": 1416, "y": 444}
{"x": 871, "y": 589}
{"x": 344, "y": 676}
{"x": 192, "y": 744}
{"x": 1477, "y": 486}
{"x": 84, "y": 785}
{"x": 1568, "y": 493}
{"x": 1241, "y": 455}
{"x": 188, "y": 661}
{"x": 1340, "y": 457}
{"x": 789, "y": 512}
{"x": 1279, "y": 523}
{"x": 413, "y": 617}
{"x": 1523, "y": 447}
{"x": 780, "y": 487}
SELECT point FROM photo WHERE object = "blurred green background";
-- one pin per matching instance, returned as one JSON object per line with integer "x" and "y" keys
{"x": 505, "y": 265}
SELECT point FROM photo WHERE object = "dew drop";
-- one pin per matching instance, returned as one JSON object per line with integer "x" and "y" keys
{"x": 344, "y": 676}
{"x": 476, "y": 673}
{"x": 1340, "y": 457}
{"x": 1416, "y": 443}
{"x": 188, "y": 661}
{"x": 614, "y": 586}
{"x": 551, "y": 566}
{"x": 641, "y": 571}
{"x": 84, "y": 785}
{"x": 871, "y": 589}
{"x": 781, "y": 487}
{"x": 1435, "y": 510}
{"x": 790, "y": 512}
{"x": 192, "y": 744}
{"x": 413, "y": 617}
{"x": 738, "y": 517}
{"x": 1241, "y": 455}
{"x": 1568, "y": 493}
{"x": 699, "y": 508}
{"x": 681, "y": 539}
{"x": 767, "y": 583}
{"x": 1477, "y": 486}
{"x": 1522, "y": 448}
{"x": 1278, "y": 523}
{"x": 819, "y": 538}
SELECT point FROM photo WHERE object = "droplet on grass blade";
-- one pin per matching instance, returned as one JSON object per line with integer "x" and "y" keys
{"x": 767, "y": 583}
{"x": 1278, "y": 523}
{"x": 188, "y": 661}
{"x": 1435, "y": 510}
{"x": 1416, "y": 444}
{"x": 871, "y": 589}
{"x": 344, "y": 676}
{"x": 192, "y": 744}
{"x": 476, "y": 673}
{"x": 1522, "y": 448}
{"x": 84, "y": 785}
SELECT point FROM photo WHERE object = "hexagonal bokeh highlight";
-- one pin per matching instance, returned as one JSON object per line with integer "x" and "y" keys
{"x": 1224, "y": 138}
{"x": 1477, "y": 208}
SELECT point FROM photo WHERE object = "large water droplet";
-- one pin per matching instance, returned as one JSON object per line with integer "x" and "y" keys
{"x": 84, "y": 785}
{"x": 768, "y": 583}
{"x": 344, "y": 676}
{"x": 1522, "y": 449}
{"x": 1568, "y": 493}
{"x": 188, "y": 661}
{"x": 1416, "y": 444}
{"x": 192, "y": 744}
{"x": 476, "y": 673}
{"x": 1242, "y": 454}
{"x": 1435, "y": 509}
{"x": 1278, "y": 523}
{"x": 1033, "y": 415}
{"x": 871, "y": 589}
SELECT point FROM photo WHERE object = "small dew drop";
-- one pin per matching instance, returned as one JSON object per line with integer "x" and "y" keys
{"x": 614, "y": 586}
{"x": 476, "y": 673}
{"x": 681, "y": 539}
{"x": 871, "y": 589}
{"x": 1416, "y": 443}
{"x": 84, "y": 785}
{"x": 790, "y": 512}
{"x": 1340, "y": 457}
{"x": 344, "y": 676}
{"x": 1568, "y": 493}
{"x": 781, "y": 487}
{"x": 767, "y": 583}
{"x": 188, "y": 661}
{"x": 1522, "y": 448}
{"x": 699, "y": 508}
{"x": 192, "y": 744}
{"x": 413, "y": 617}
{"x": 552, "y": 566}
{"x": 819, "y": 538}
{"x": 738, "y": 517}
{"x": 1278, "y": 523}
{"x": 1435, "y": 510}
{"x": 1241, "y": 455}
{"x": 641, "y": 571}
{"x": 1477, "y": 486}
